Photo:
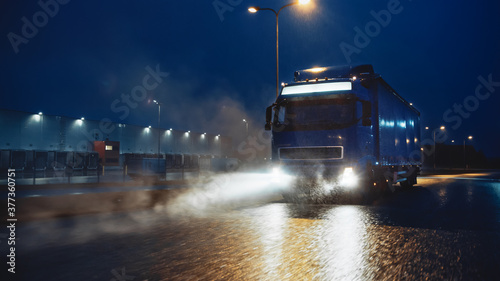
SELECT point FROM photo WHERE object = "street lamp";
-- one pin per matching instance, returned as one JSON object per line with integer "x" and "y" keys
{"x": 469, "y": 138}
{"x": 159, "y": 135}
{"x": 442, "y": 128}
{"x": 255, "y": 10}
{"x": 246, "y": 124}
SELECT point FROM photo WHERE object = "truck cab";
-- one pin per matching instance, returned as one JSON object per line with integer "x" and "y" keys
{"x": 326, "y": 124}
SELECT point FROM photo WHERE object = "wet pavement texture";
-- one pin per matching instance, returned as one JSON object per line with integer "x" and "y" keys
{"x": 446, "y": 228}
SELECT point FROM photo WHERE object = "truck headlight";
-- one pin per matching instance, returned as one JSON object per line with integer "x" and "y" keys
{"x": 348, "y": 178}
{"x": 277, "y": 175}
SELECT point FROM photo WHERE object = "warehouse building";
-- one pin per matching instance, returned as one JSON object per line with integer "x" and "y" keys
{"x": 84, "y": 143}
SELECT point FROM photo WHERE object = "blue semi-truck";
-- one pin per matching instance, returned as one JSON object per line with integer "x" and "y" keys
{"x": 347, "y": 125}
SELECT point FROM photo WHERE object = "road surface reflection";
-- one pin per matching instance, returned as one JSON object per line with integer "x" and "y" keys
{"x": 331, "y": 243}
{"x": 441, "y": 230}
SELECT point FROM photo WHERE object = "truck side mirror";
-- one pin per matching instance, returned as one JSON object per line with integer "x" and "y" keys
{"x": 269, "y": 114}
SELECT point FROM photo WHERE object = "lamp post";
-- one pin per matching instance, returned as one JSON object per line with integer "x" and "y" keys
{"x": 442, "y": 128}
{"x": 246, "y": 125}
{"x": 255, "y": 10}
{"x": 217, "y": 139}
{"x": 469, "y": 138}
{"x": 159, "y": 134}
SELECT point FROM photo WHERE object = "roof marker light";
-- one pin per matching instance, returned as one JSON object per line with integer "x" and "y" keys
{"x": 316, "y": 69}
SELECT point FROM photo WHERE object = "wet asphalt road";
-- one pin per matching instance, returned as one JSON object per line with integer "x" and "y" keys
{"x": 447, "y": 228}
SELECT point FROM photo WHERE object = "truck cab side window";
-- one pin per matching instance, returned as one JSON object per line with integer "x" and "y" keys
{"x": 281, "y": 115}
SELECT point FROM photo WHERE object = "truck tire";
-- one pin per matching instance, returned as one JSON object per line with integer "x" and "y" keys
{"x": 408, "y": 183}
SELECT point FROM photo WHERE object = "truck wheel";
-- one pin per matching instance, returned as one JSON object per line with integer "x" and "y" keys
{"x": 287, "y": 197}
{"x": 408, "y": 183}
{"x": 381, "y": 185}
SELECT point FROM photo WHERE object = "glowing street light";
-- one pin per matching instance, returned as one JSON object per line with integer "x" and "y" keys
{"x": 255, "y": 10}
{"x": 442, "y": 128}
{"x": 159, "y": 114}
{"x": 465, "y": 162}
{"x": 246, "y": 125}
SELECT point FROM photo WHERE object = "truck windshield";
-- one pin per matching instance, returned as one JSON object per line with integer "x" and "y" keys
{"x": 324, "y": 114}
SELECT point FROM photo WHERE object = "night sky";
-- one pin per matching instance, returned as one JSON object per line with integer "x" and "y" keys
{"x": 84, "y": 56}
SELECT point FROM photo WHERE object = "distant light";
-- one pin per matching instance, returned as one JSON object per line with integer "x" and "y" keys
{"x": 470, "y": 137}
{"x": 149, "y": 127}
{"x": 283, "y": 84}
{"x": 427, "y": 128}
{"x": 442, "y": 127}
{"x": 303, "y": 2}
{"x": 253, "y": 9}
{"x": 407, "y": 140}
{"x": 411, "y": 103}
{"x": 82, "y": 118}
{"x": 354, "y": 78}
{"x": 188, "y": 132}
{"x": 154, "y": 101}
{"x": 170, "y": 129}
{"x": 204, "y": 133}
{"x": 452, "y": 140}
{"x": 316, "y": 69}
{"x": 40, "y": 113}
{"x": 244, "y": 120}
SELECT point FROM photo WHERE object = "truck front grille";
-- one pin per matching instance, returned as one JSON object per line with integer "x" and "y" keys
{"x": 311, "y": 153}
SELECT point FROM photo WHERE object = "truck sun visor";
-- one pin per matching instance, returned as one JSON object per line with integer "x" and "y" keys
{"x": 317, "y": 88}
